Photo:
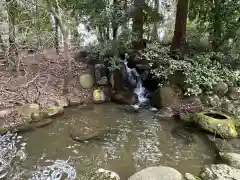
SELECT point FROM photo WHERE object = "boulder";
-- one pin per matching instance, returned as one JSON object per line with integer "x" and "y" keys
{"x": 185, "y": 117}
{"x": 165, "y": 113}
{"x": 221, "y": 88}
{"x": 62, "y": 102}
{"x": 219, "y": 172}
{"x": 212, "y": 101}
{"x": 27, "y": 110}
{"x": 232, "y": 159}
{"x": 86, "y": 81}
{"x": 81, "y": 134}
{"x": 216, "y": 122}
{"x": 52, "y": 111}
{"x": 234, "y": 93}
{"x": 157, "y": 173}
{"x": 228, "y": 107}
{"x": 4, "y": 112}
{"x": 164, "y": 97}
{"x": 125, "y": 97}
{"x": 101, "y": 74}
{"x": 98, "y": 96}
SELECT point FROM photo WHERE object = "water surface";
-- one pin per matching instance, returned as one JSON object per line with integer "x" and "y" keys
{"x": 142, "y": 141}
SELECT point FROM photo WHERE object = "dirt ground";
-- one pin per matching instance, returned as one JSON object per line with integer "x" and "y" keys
{"x": 41, "y": 80}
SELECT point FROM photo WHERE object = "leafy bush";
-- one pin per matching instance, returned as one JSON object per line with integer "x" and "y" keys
{"x": 201, "y": 72}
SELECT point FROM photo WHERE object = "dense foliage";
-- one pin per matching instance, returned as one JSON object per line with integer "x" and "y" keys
{"x": 212, "y": 45}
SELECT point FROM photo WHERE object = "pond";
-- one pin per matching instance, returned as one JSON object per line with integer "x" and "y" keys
{"x": 142, "y": 140}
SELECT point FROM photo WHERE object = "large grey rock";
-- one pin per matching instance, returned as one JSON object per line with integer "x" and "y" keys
{"x": 164, "y": 97}
{"x": 232, "y": 159}
{"x": 212, "y": 101}
{"x": 157, "y": 173}
{"x": 220, "y": 172}
{"x": 234, "y": 93}
{"x": 221, "y": 88}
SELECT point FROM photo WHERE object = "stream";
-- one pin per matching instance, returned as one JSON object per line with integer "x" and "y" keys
{"x": 141, "y": 141}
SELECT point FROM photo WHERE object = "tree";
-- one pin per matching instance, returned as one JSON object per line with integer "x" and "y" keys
{"x": 179, "y": 37}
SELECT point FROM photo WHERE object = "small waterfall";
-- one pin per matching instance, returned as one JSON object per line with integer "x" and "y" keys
{"x": 136, "y": 81}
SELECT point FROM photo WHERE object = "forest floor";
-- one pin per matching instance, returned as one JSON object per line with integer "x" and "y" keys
{"x": 41, "y": 80}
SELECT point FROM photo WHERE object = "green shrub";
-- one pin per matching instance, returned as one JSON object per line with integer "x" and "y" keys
{"x": 201, "y": 71}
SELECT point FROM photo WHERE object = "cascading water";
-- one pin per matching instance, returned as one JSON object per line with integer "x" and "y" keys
{"x": 136, "y": 81}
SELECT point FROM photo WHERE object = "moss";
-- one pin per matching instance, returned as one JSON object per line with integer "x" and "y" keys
{"x": 216, "y": 122}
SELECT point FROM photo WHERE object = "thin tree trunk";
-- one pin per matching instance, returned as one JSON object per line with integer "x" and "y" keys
{"x": 155, "y": 24}
{"x": 114, "y": 24}
{"x": 137, "y": 26}
{"x": 216, "y": 26}
{"x": 13, "y": 52}
{"x": 65, "y": 45}
{"x": 56, "y": 36}
{"x": 38, "y": 26}
{"x": 179, "y": 37}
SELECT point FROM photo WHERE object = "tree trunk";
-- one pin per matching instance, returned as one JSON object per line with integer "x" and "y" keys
{"x": 38, "y": 25}
{"x": 217, "y": 30}
{"x": 56, "y": 36}
{"x": 155, "y": 24}
{"x": 137, "y": 27}
{"x": 114, "y": 24}
{"x": 179, "y": 37}
{"x": 65, "y": 45}
{"x": 13, "y": 52}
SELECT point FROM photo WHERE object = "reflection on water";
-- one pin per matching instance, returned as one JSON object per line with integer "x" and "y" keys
{"x": 141, "y": 141}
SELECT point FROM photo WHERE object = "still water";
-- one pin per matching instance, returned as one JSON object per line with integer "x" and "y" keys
{"x": 141, "y": 141}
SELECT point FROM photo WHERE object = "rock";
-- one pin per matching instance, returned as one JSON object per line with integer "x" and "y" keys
{"x": 132, "y": 108}
{"x": 52, "y": 111}
{"x": 219, "y": 123}
{"x": 101, "y": 74}
{"x": 236, "y": 112}
{"x": 27, "y": 110}
{"x": 163, "y": 97}
{"x": 165, "y": 113}
{"x": 189, "y": 176}
{"x": 116, "y": 80}
{"x": 221, "y": 88}
{"x": 157, "y": 173}
{"x": 219, "y": 172}
{"x": 212, "y": 101}
{"x": 232, "y": 159}
{"x": 98, "y": 96}
{"x": 188, "y": 118}
{"x": 108, "y": 91}
{"x": 125, "y": 97}
{"x": 86, "y": 81}
{"x": 102, "y": 81}
{"x": 88, "y": 133}
{"x": 5, "y": 112}
{"x": 228, "y": 107}
{"x": 234, "y": 93}
{"x": 63, "y": 102}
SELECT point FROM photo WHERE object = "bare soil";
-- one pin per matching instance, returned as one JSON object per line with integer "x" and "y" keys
{"x": 40, "y": 80}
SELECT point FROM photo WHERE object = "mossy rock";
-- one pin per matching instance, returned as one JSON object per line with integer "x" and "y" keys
{"x": 86, "y": 81}
{"x": 52, "y": 111}
{"x": 26, "y": 110}
{"x": 98, "y": 96}
{"x": 218, "y": 123}
{"x": 188, "y": 118}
